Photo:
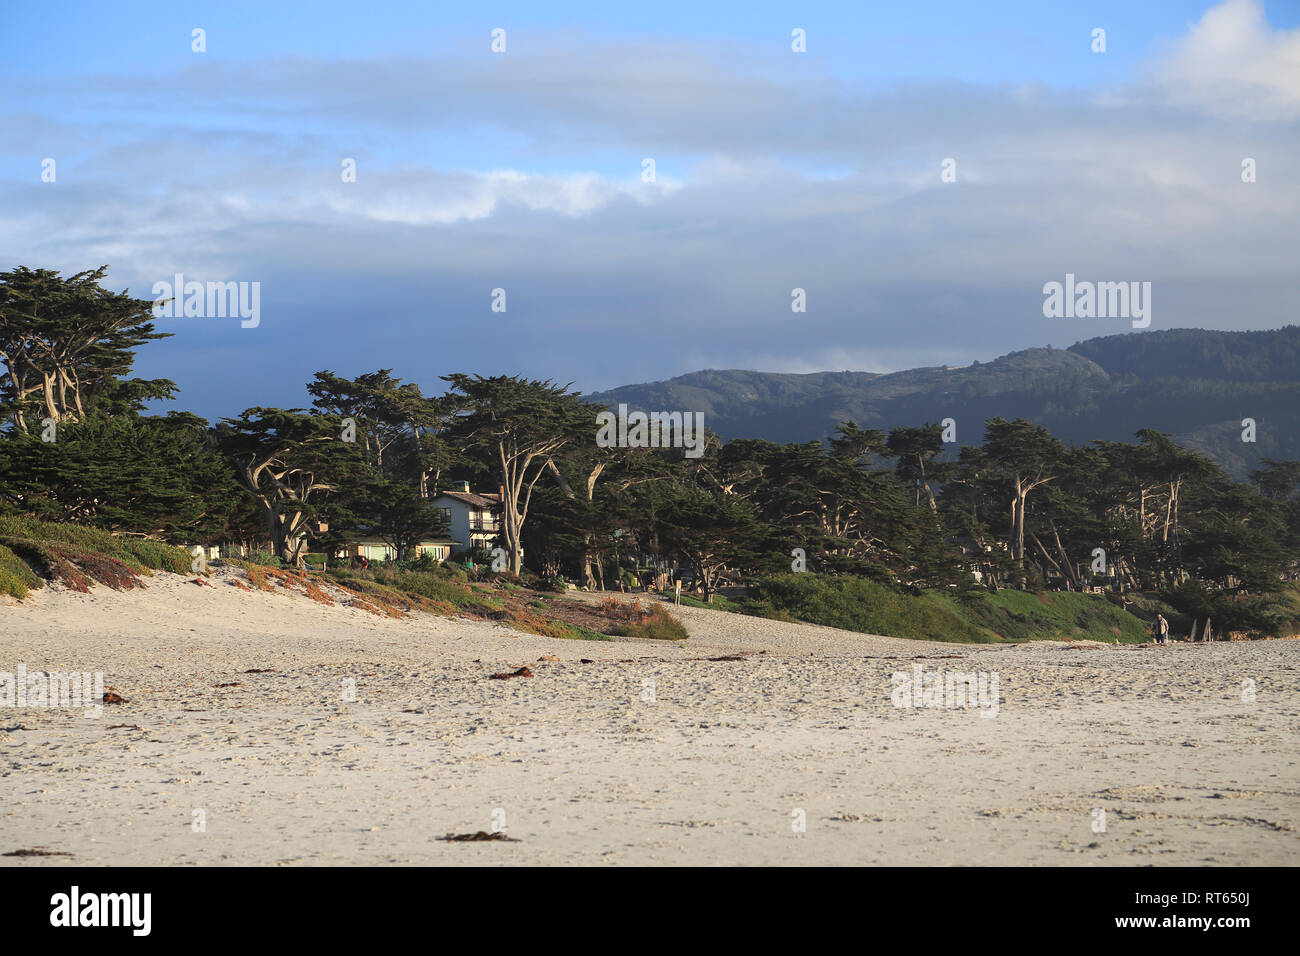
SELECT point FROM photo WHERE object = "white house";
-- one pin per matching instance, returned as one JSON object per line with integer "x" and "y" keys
{"x": 375, "y": 549}
{"x": 473, "y": 520}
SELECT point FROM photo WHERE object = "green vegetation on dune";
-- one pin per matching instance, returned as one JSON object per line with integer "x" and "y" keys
{"x": 524, "y": 620}
{"x": 977, "y": 617}
{"x": 1050, "y": 615}
{"x": 720, "y": 602}
{"x": 449, "y": 591}
{"x": 16, "y": 578}
{"x": 448, "y": 585}
{"x": 77, "y": 556}
{"x": 1290, "y": 604}
{"x": 857, "y": 604}
{"x": 139, "y": 554}
{"x": 648, "y": 621}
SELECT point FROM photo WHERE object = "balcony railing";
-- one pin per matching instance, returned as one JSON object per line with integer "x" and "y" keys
{"x": 483, "y": 524}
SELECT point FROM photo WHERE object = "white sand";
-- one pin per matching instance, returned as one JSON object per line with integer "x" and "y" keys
{"x": 585, "y": 771}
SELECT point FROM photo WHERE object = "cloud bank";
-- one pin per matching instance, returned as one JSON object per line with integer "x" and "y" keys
{"x": 524, "y": 172}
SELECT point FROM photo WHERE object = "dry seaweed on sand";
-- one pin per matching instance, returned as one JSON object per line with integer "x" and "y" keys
{"x": 506, "y": 675}
{"x": 481, "y": 836}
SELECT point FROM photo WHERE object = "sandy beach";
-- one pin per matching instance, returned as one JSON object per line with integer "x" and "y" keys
{"x": 627, "y": 752}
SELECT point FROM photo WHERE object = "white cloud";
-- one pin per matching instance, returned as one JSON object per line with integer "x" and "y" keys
{"x": 648, "y": 280}
{"x": 431, "y": 198}
{"x": 1232, "y": 64}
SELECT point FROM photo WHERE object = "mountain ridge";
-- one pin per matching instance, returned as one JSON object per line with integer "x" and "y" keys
{"x": 1195, "y": 384}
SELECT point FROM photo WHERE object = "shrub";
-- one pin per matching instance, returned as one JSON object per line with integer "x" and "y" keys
{"x": 75, "y": 566}
{"x": 1022, "y": 615}
{"x": 159, "y": 556}
{"x": 450, "y": 572}
{"x": 443, "y": 590}
{"x": 137, "y": 553}
{"x": 448, "y": 590}
{"x": 617, "y": 610}
{"x": 638, "y": 621}
{"x": 548, "y": 627}
{"x": 720, "y": 602}
{"x": 1256, "y": 614}
{"x": 858, "y": 604}
{"x": 16, "y": 578}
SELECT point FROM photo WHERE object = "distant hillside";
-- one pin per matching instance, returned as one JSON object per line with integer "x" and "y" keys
{"x": 1271, "y": 356}
{"x": 1197, "y": 385}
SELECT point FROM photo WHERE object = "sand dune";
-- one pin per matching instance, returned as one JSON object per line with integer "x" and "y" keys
{"x": 719, "y": 768}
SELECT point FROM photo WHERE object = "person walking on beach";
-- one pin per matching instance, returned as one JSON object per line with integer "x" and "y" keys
{"x": 1161, "y": 629}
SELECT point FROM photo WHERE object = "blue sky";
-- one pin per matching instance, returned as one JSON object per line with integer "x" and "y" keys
{"x": 988, "y": 42}
{"x": 775, "y": 170}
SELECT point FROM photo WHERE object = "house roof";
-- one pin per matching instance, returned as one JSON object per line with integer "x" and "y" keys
{"x": 469, "y": 498}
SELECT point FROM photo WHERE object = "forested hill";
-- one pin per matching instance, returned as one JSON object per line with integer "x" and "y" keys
{"x": 1196, "y": 385}
{"x": 1271, "y": 356}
